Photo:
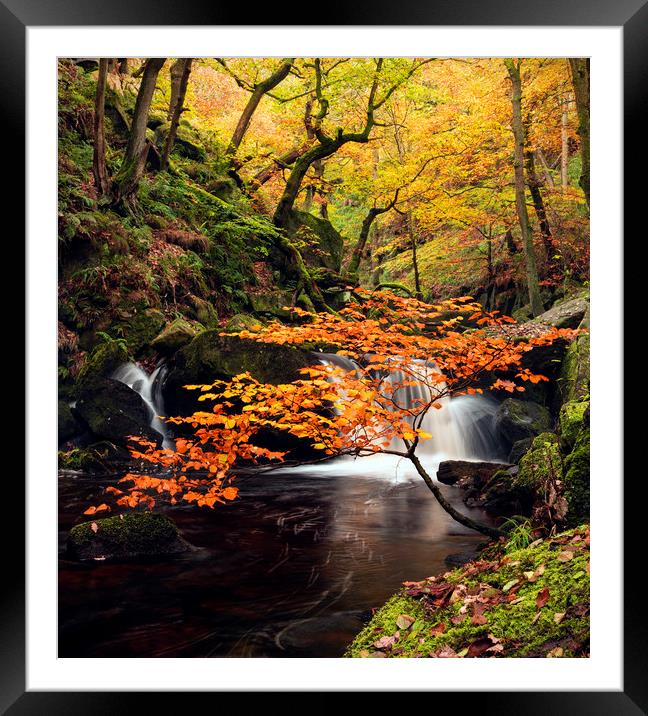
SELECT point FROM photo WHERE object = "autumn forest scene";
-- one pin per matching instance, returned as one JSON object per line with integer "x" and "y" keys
{"x": 323, "y": 357}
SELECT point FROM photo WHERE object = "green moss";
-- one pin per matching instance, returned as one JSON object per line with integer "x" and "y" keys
{"x": 174, "y": 335}
{"x": 539, "y": 463}
{"x": 575, "y": 370}
{"x": 513, "y": 622}
{"x": 243, "y": 322}
{"x": 103, "y": 361}
{"x": 577, "y": 479}
{"x": 571, "y": 422}
{"x": 127, "y": 535}
{"x": 142, "y": 328}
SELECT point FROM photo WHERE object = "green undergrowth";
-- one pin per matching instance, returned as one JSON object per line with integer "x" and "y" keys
{"x": 531, "y": 602}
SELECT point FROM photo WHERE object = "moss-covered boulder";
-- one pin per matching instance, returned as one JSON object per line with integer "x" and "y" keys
{"x": 114, "y": 411}
{"x": 243, "y": 322}
{"x": 174, "y": 336}
{"x": 565, "y": 314}
{"x": 574, "y": 379}
{"x": 571, "y": 421}
{"x": 141, "y": 328}
{"x": 519, "y": 449}
{"x": 204, "y": 312}
{"x": 518, "y": 602}
{"x": 518, "y": 419}
{"x": 272, "y": 303}
{"x": 320, "y": 243}
{"x": 211, "y": 356}
{"x": 541, "y": 462}
{"x": 134, "y": 534}
{"x": 102, "y": 362}
{"x": 103, "y": 456}
{"x": 576, "y": 478}
{"x": 68, "y": 426}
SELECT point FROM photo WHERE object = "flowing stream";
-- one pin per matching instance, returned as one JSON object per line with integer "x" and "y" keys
{"x": 291, "y": 569}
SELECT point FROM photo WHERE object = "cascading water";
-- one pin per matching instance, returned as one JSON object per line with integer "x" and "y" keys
{"x": 149, "y": 388}
{"x": 462, "y": 429}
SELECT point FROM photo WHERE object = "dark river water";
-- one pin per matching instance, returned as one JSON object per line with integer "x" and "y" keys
{"x": 291, "y": 569}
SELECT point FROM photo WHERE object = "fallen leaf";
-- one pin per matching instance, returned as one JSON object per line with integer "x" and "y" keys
{"x": 94, "y": 527}
{"x": 536, "y": 617}
{"x": 565, "y": 556}
{"x": 384, "y": 642}
{"x": 404, "y": 621}
{"x": 542, "y": 598}
{"x": 558, "y": 617}
{"x": 445, "y": 652}
{"x": 555, "y": 653}
{"x": 478, "y": 618}
{"x": 459, "y": 618}
{"x": 510, "y": 585}
{"x": 438, "y": 629}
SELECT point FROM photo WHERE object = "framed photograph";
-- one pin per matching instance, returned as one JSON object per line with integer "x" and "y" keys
{"x": 324, "y": 354}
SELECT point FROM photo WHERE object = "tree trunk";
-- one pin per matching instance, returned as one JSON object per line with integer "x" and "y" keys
{"x": 127, "y": 179}
{"x": 564, "y": 146}
{"x": 520, "y": 188}
{"x": 358, "y": 251}
{"x": 176, "y": 113}
{"x": 545, "y": 167}
{"x": 455, "y": 514}
{"x": 580, "y": 72}
{"x": 538, "y": 203}
{"x": 260, "y": 89}
{"x": 123, "y": 66}
{"x": 412, "y": 236}
{"x": 176, "y": 74}
{"x": 101, "y": 179}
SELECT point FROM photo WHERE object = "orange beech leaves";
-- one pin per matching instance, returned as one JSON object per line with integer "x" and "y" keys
{"x": 359, "y": 413}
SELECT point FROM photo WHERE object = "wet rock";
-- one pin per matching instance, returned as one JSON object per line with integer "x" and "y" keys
{"x": 468, "y": 475}
{"x": 518, "y": 450}
{"x": 102, "y": 363}
{"x": 174, "y": 336}
{"x": 114, "y": 411}
{"x": 211, "y": 356}
{"x": 566, "y": 314}
{"x": 518, "y": 419}
{"x": 68, "y": 426}
{"x": 134, "y": 534}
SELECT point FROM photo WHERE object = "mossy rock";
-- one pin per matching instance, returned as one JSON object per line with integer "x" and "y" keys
{"x": 519, "y": 449}
{"x": 551, "y": 572}
{"x": 204, "y": 312}
{"x": 518, "y": 419}
{"x": 103, "y": 362}
{"x": 134, "y": 534}
{"x": 541, "y": 462}
{"x": 566, "y": 314}
{"x": 142, "y": 328}
{"x": 114, "y": 411}
{"x": 523, "y": 314}
{"x": 272, "y": 303}
{"x": 103, "y": 456}
{"x": 574, "y": 377}
{"x": 577, "y": 479}
{"x": 68, "y": 426}
{"x": 222, "y": 187}
{"x": 211, "y": 356}
{"x": 243, "y": 322}
{"x": 571, "y": 421}
{"x": 174, "y": 336}
{"x": 320, "y": 243}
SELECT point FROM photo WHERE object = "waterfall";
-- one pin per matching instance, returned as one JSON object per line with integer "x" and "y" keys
{"x": 462, "y": 429}
{"x": 149, "y": 388}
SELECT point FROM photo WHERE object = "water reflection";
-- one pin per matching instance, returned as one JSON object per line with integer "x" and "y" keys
{"x": 291, "y": 569}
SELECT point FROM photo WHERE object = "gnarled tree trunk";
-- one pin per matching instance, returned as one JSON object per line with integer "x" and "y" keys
{"x": 176, "y": 110}
{"x": 520, "y": 187}
{"x": 580, "y": 73}
{"x": 127, "y": 180}
{"x": 101, "y": 179}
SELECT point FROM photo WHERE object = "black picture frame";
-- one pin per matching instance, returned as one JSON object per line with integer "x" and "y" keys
{"x": 17, "y": 15}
